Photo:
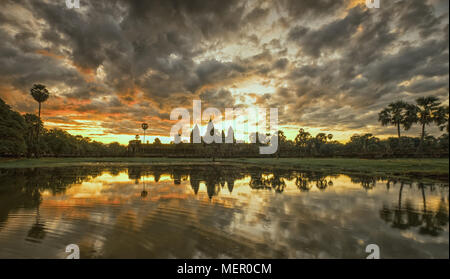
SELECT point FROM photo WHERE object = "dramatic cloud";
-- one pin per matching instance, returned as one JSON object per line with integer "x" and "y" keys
{"x": 327, "y": 65}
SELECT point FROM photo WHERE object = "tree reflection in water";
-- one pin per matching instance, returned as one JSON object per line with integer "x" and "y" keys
{"x": 23, "y": 188}
{"x": 407, "y": 216}
{"x": 307, "y": 180}
{"x": 37, "y": 231}
{"x": 144, "y": 192}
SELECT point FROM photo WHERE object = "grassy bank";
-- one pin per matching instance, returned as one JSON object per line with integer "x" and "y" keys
{"x": 417, "y": 168}
{"x": 404, "y": 168}
{"x": 62, "y": 162}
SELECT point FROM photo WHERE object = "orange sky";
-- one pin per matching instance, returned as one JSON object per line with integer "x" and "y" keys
{"x": 327, "y": 66}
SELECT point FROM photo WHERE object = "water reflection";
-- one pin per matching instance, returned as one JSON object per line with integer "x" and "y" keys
{"x": 407, "y": 216}
{"x": 217, "y": 212}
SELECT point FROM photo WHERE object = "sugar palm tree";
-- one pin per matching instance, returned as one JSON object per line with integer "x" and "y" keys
{"x": 144, "y": 127}
{"x": 426, "y": 112}
{"x": 442, "y": 118}
{"x": 40, "y": 94}
{"x": 396, "y": 114}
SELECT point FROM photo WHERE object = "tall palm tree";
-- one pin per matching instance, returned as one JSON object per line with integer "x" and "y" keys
{"x": 395, "y": 114}
{"x": 40, "y": 94}
{"x": 144, "y": 127}
{"x": 426, "y": 112}
{"x": 442, "y": 118}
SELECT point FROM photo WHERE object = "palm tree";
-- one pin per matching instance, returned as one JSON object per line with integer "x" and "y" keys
{"x": 442, "y": 118}
{"x": 395, "y": 114}
{"x": 426, "y": 112}
{"x": 144, "y": 127}
{"x": 40, "y": 94}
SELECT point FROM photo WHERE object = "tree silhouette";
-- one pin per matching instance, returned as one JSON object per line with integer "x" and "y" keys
{"x": 40, "y": 94}
{"x": 144, "y": 192}
{"x": 281, "y": 137}
{"x": 407, "y": 216}
{"x": 277, "y": 182}
{"x": 442, "y": 118}
{"x": 144, "y": 127}
{"x": 12, "y": 129}
{"x": 303, "y": 183}
{"x": 32, "y": 123}
{"x": 303, "y": 139}
{"x": 425, "y": 112}
{"x": 396, "y": 114}
{"x": 364, "y": 143}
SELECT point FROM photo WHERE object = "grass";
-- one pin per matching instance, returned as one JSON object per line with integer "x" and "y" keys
{"x": 406, "y": 168}
{"x": 62, "y": 162}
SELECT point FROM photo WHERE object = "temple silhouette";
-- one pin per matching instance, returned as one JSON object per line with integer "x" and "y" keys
{"x": 213, "y": 143}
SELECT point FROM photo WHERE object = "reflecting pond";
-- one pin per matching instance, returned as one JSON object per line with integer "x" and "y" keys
{"x": 217, "y": 212}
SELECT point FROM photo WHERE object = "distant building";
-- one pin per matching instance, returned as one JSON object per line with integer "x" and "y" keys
{"x": 134, "y": 146}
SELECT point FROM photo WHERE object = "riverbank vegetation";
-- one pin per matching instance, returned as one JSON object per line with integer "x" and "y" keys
{"x": 436, "y": 169}
{"x": 26, "y": 136}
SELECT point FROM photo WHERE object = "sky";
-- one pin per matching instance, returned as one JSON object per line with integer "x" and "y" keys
{"x": 327, "y": 65}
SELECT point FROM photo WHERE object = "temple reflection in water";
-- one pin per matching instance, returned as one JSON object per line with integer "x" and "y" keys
{"x": 43, "y": 208}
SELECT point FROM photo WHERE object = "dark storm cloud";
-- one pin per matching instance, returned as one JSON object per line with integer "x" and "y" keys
{"x": 334, "y": 63}
{"x": 408, "y": 62}
{"x": 213, "y": 71}
{"x": 220, "y": 99}
{"x": 26, "y": 66}
{"x": 308, "y": 8}
{"x": 330, "y": 36}
{"x": 418, "y": 14}
{"x": 365, "y": 56}
{"x": 281, "y": 64}
{"x": 427, "y": 85}
{"x": 256, "y": 15}
{"x": 149, "y": 33}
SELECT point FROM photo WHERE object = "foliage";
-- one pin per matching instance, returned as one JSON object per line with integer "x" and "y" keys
{"x": 19, "y": 138}
{"x": 398, "y": 114}
{"x": 12, "y": 130}
{"x": 40, "y": 93}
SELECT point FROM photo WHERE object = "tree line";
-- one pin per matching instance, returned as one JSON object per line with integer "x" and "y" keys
{"x": 25, "y": 135}
{"x": 306, "y": 145}
{"x": 425, "y": 112}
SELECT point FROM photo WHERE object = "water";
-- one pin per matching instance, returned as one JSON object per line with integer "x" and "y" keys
{"x": 217, "y": 212}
